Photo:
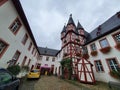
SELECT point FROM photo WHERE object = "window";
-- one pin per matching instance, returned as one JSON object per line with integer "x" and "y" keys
{"x": 2, "y": 2}
{"x": 15, "y": 26}
{"x": 41, "y": 57}
{"x": 38, "y": 57}
{"x": 117, "y": 37}
{"x": 46, "y": 64}
{"x": 104, "y": 43}
{"x": 113, "y": 65}
{"x": 15, "y": 58}
{"x": 85, "y": 51}
{"x": 24, "y": 40}
{"x": 33, "y": 50}
{"x": 93, "y": 47}
{"x": 3, "y": 47}
{"x": 53, "y": 59}
{"x": 35, "y": 53}
{"x": 47, "y": 58}
{"x": 24, "y": 60}
{"x": 30, "y": 45}
{"x": 29, "y": 62}
{"x": 98, "y": 65}
{"x": 81, "y": 32}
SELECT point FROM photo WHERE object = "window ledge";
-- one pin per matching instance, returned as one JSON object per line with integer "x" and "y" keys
{"x": 117, "y": 46}
{"x": 105, "y": 49}
{"x": 85, "y": 56}
{"x": 100, "y": 71}
{"x": 94, "y": 53}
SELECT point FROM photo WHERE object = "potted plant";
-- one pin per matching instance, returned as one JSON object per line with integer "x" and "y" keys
{"x": 115, "y": 74}
{"x": 93, "y": 53}
{"x": 117, "y": 46}
{"x": 105, "y": 49}
{"x": 15, "y": 69}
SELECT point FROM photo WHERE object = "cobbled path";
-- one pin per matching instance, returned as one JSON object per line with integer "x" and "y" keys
{"x": 54, "y": 83}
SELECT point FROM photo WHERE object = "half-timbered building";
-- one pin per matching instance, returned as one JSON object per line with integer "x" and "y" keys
{"x": 94, "y": 55}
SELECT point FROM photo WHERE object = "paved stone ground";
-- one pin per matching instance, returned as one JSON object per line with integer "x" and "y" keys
{"x": 54, "y": 83}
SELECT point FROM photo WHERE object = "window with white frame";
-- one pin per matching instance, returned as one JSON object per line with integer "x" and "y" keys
{"x": 85, "y": 50}
{"x": 24, "y": 60}
{"x": 93, "y": 47}
{"x": 15, "y": 58}
{"x": 104, "y": 43}
{"x": 3, "y": 47}
{"x": 29, "y": 62}
{"x": 30, "y": 45}
{"x": 14, "y": 27}
{"x": 53, "y": 59}
{"x": 41, "y": 57}
{"x": 47, "y": 58}
{"x": 24, "y": 40}
{"x": 98, "y": 65}
{"x": 113, "y": 65}
{"x": 117, "y": 37}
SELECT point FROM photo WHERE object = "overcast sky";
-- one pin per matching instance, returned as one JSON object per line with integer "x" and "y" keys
{"x": 47, "y": 17}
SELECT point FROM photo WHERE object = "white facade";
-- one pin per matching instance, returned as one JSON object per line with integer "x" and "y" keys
{"x": 8, "y": 14}
{"x": 49, "y": 63}
{"x": 114, "y": 53}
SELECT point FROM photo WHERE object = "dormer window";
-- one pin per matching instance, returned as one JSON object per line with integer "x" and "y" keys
{"x": 99, "y": 30}
{"x": 70, "y": 27}
{"x": 81, "y": 32}
{"x": 65, "y": 41}
{"x": 118, "y": 14}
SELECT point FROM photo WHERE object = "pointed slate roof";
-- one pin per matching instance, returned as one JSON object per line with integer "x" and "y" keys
{"x": 64, "y": 29}
{"x": 70, "y": 21}
{"x": 79, "y": 26}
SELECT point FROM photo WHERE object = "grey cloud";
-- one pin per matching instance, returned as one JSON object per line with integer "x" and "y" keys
{"x": 47, "y": 17}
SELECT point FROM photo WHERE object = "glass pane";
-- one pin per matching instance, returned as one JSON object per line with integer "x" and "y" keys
{"x": 117, "y": 37}
{"x": 93, "y": 47}
{"x": 114, "y": 61}
{"x": 2, "y": 46}
{"x": 104, "y": 43}
{"x": 113, "y": 64}
{"x": 110, "y": 62}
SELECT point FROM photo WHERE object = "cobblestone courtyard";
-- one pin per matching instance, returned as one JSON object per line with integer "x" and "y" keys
{"x": 54, "y": 83}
